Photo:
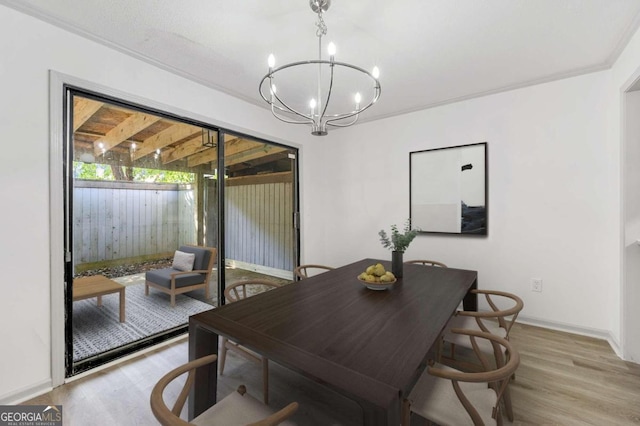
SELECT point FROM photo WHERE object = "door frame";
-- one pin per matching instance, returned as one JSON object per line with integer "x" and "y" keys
{"x": 627, "y": 303}
{"x": 58, "y": 83}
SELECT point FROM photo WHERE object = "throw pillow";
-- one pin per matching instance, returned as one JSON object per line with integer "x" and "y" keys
{"x": 183, "y": 261}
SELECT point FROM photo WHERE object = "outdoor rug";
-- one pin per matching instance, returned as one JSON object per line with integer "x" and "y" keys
{"x": 98, "y": 329}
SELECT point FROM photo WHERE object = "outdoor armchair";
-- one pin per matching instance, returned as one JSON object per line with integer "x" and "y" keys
{"x": 191, "y": 270}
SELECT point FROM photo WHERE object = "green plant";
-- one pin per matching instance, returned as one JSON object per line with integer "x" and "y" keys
{"x": 399, "y": 241}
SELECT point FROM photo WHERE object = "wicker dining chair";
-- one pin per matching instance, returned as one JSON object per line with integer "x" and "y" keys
{"x": 448, "y": 396}
{"x": 233, "y": 293}
{"x": 425, "y": 262}
{"x": 236, "y": 409}
{"x": 302, "y": 271}
{"x": 505, "y": 308}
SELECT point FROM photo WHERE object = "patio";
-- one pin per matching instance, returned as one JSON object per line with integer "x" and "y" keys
{"x": 96, "y": 330}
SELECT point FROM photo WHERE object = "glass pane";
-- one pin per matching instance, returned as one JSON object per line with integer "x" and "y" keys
{"x": 259, "y": 205}
{"x": 140, "y": 192}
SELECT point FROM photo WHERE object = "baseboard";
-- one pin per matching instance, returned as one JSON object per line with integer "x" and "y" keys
{"x": 26, "y": 393}
{"x": 570, "y": 328}
{"x": 274, "y": 272}
{"x": 615, "y": 345}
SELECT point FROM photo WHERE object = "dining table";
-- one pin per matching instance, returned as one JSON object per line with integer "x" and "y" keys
{"x": 369, "y": 345}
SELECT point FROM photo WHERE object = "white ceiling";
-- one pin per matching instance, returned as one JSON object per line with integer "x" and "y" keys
{"x": 429, "y": 52}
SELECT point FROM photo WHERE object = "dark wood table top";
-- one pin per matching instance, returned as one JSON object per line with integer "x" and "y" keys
{"x": 366, "y": 343}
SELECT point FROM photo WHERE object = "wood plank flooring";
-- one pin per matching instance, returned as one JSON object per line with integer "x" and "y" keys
{"x": 564, "y": 379}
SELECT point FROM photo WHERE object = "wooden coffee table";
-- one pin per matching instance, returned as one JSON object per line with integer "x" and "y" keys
{"x": 98, "y": 286}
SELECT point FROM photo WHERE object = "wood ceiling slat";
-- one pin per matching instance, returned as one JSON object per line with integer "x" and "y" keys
{"x": 231, "y": 147}
{"x": 166, "y": 137}
{"x": 185, "y": 149}
{"x": 252, "y": 154}
{"x": 127, "y": 128}
{"x": 258, "y": 150}
{"x": 238, "y": 145}
{"x": 83, "y": 110}
{"x": 181, "y": 143}
{"x": 276, "y": 160}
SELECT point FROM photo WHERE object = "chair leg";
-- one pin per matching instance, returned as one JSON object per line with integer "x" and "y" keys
{"x": 222, "y": 356}
{"x": 405, "y": 413}
{"x": 499, "y": 419}
{"x": 173, "y": 300}
{"x": 439, "y": 349}
{"x": 506, "y": 397}
{"x": 265, "y": 380}
{"x": 146, "y": 289}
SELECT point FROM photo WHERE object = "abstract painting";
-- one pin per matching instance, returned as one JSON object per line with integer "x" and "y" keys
{"x": 448, "y": 189}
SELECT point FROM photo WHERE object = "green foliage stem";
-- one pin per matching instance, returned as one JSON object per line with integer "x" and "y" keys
{"x": 399, "y": 241}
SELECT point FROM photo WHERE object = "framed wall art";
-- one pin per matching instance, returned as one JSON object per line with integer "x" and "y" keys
{"x": 448, "y": 189}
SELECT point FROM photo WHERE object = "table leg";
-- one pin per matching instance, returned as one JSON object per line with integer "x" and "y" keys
{"x": 205, "y": 387}
{"x": 376, "y": 416}
{"x": 99, "y": 300}
{"x": 470, "y": 301}
{"x": 122, "y": 299}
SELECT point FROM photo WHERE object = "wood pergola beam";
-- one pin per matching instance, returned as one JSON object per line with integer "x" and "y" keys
{"x": 123, "y": 131}
{"x": 232, "y": 147}
{"x": 185, "y": 149}
{"x": 83, "y": 110}
{"x": 252, "y": 154}
{"x": 166, "y": 137}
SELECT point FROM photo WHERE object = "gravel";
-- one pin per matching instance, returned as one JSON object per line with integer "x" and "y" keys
{"x": 124, "y": 270}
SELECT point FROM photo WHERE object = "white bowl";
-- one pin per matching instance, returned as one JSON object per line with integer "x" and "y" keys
{"x": 377, "y": 286}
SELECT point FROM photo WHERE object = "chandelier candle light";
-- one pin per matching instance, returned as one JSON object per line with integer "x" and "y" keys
{"x": 316, "y": 113}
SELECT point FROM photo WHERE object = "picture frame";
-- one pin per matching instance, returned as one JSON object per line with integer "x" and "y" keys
{"x": 449, "y": 190}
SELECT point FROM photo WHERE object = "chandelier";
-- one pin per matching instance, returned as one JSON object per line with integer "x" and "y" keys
{"x": 318, "y": 114}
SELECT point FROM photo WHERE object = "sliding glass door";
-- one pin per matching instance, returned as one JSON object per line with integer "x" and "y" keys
{"x": 260, "y": 204}
{"x": 142, "y": 184}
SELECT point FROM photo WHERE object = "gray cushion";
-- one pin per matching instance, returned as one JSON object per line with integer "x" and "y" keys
{"x": 163, "y": 277}
{"x": 203, "y": 256}
{"x": 183, "y": 261}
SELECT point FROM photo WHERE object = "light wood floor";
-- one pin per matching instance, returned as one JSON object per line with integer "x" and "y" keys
{"x": 564, "y": 379}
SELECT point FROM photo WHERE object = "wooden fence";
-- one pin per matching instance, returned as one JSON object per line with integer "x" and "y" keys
{"x": 122, "y": 220}
{"x": 118, "y": 220}
{"x": 259, "y": 225}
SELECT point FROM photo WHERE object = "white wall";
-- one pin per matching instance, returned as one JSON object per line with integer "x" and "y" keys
{"x": 552, "y": 213}
{"x": 29, "y": 49}
{"x": 554, "y": 179}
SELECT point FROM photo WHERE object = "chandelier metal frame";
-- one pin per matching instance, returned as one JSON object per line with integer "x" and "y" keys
{"x": 317, "y": 117}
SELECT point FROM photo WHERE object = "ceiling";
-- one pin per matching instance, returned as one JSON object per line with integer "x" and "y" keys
{"x": 429, "y": 52}
{"x": 123, "y": 138}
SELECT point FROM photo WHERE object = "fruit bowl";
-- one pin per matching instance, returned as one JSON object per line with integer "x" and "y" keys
{"x": 376, "y": 278}
{"x": 378, "y": 286}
